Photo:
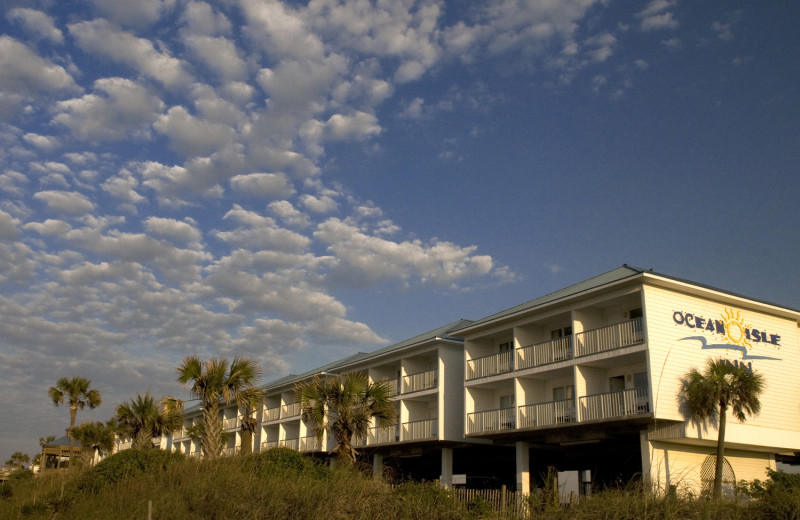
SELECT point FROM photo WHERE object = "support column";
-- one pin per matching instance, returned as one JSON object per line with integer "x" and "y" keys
{"x": 523, "y": 467}
{"x": 647, "y": 458}
{"x": 377, "y": 466}
{"x": 447, "y": 468}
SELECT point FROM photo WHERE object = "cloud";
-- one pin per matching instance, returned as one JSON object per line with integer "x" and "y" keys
{"x": 69, "y": 202}
{"x": 42, "y": 142}
{"x": 219, "y": 54}
{"x": 140, "y": 12}
{"x": 25, "y": 72}
{"x": 104, "y": 39}
{"x": 256, "y": 231}
{"x": 656, "y": 16}
{"x": 265, "y": 185}
{"x": 36, "y": 23}
{"x": 119, "y": 109}
{"x": 289, "y": 214}
{"x": 191, "y": 136}
{"x": 170, "y": 228}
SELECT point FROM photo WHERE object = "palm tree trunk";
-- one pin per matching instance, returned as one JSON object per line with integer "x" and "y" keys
{"x": 73, "y": 412}
{"x": 720, "y": 451}
{"x": 212, "y": 431}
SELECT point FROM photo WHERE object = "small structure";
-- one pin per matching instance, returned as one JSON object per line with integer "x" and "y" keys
{"x": 55, "y": 454}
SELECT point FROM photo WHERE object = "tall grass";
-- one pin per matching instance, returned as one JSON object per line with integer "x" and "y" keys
{"x": 281, "y": 484}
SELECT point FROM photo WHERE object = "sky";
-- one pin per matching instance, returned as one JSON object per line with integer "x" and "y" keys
{"x": 295, "y": 182}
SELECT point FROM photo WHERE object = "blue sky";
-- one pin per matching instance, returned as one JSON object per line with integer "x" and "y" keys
{"x": 295, "y": 182}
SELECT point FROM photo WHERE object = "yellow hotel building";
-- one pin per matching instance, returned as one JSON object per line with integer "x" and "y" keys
{"x": 584, "y": 382}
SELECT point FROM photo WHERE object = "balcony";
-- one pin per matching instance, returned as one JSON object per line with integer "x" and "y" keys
{"x": 489, "y": 365}
{"x": 544, "y": 353}
{"x": 547, "y": 414}
{"x": 393, "y": 385}
{"x": 608, "y": 338}
{"x": 292, "y": 444}
{"x": 231, "y": 423}
{"x": 611, "y": 405}
{"x": 196, "y": 454}
{"x": 310, "y": 443}
{"x": 419, "y": 381}
{"x": 491, "y": 421}
{"x": 180, "y": 435}
{"x": 229, "y": 452}
{"x": 272, "y": 414}
{"x": 290, "y": 410}
{"x": 382, "y": 435}
{"x": 420, "y": 430}
{"x": 268, "y": 445}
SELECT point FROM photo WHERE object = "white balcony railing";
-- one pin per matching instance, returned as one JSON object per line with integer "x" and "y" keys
{"x": 393, "y": 385}
{"x": 196, "y": 454}
{"x": 268, "y": 445}
{"x": 228, "y": 452}
{"x": 420, "y": 430}
{"x": 419, "y": 381}
{"x": 180, "y": 435}
{"x": 544, "y": 353}
{"x": 490, "y": 365}
{"x": 491, "y": 421}
{"x": 612, "y": 337}
{"x": 231, "y": 423}
{"x": 290, "y": 410}
{"x": 382, "y": 435}
{"x": 272, "y": 414}
{"x": 292, "y": 444}
{"x": 310, "y": 443}
{"x": 547, "y": 414}
{"x": 611, "y": 405}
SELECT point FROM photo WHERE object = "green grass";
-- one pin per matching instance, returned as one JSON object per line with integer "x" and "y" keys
{"x": 282, "y": 484}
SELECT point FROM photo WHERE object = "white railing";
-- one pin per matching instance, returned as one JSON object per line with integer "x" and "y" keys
{"x": 544, "y": 353}
{"x": 196, "y": 454}
{"x": 125, "y": 445}
{"x": 382, "y": 435}
{"x": 612, "y": 337}
{"x": 547, "y": 414}
{"x": 490, "y": 365}
{"x": 230, "y": 451}
{"x": 290, "y": 410}
{"x": 614, "y": 404}
{"x": 491, "y": 421}
{"x": 418, "y": 430}
{"x": 180, "y": 435}
{"x": 393, "y": 386}
{"x": 292, "y": 444}
{"x": 268, "y": 445}
{"x": 419, "y": 381}
{"x": 310, "y": 443}
{"x": 231, "y": 423}
{"x": 272, "y": 414}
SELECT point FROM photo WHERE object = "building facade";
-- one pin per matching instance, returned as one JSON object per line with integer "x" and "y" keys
{"x": 584, "y": 382}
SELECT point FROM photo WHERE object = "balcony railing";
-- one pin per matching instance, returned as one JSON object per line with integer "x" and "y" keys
{"x": 491, "y": 420}
{"x": 382, "y": 435}
{"x": 292, "y": 444}
{"x": 272, "y": 414}
{"x": 610, "y": 405}
{"x": 393, "y": 385}
{"x": 290, "y": 410}
{"x": 419, "y": 381}
{"x": 490, "y": 365}
{"x": 231, "y": 423}
{"x": 268, "y": 445}
{"x": 547, "y": 414}
{"x": 196, "y": 454}
{"x": 310, "y": 443}
{"x": 180, "y": 435}
{"x": 544, "y": 353}
{"x": 419, "y": 430}
{"x": 125, "y": 445}
{"x": 230, "y": 451}
{"x": 612, "y": 337}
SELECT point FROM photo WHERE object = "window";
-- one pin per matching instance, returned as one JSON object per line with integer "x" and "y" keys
{"x": 616, "y": 383}
{"x": 505, "y": 347}
{"x": 561, "y": 393}
{"x": 561, "y": 333}
{"x": 506, "y": 401}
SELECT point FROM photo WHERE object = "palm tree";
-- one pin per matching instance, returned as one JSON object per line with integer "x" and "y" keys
{"x": 345, "y": 405}
{"x": 216, "y": 381}
{"x": 709, "y": 395}
{"x": 96, "y": 436}
{"x": 143, "y": 418}
{"x": 76, "y": 393}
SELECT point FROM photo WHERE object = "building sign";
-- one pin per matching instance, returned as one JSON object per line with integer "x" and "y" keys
{"x": 732, "y": 333}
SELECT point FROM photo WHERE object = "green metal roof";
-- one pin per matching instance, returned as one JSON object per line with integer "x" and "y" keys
{"x": 620, "y": 273}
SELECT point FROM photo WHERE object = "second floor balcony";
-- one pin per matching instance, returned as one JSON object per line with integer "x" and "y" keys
{"x": 491, "y": 420}
{"x": 290, "y": 410}
{"x": 544, "y": 353}
{"x": 547, "y": 414}
{"x": 420, "y": 430}
{"x": 419, "y": 381}
{"x": 292, "y": 444}
{"x": 611, "y": 405}
{"x": 231, "y": 423}
{"x": 490, "y": 365}
{"x": 272, "y": 414}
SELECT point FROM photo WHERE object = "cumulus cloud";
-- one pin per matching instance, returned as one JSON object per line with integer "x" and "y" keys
{"x": 118, "y": 109}
{"x": 266, "y": 185}
{"x": 38, "y": 24}
{"x": 192, "y": 136}
{"x": 104, "y": 39}
{"x": 46, "y": 143}
{"x": 26, "y": 72}
{"x": 656, "y": 15}
{"x": 69, "y": 202}
{"x": 257, "y": 231}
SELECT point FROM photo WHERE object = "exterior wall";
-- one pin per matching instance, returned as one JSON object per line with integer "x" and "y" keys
{"x": 451, "y": 392}
{"x": 673, "y": 352}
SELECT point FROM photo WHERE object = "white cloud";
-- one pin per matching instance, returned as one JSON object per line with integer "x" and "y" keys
{"x": 170, "y": 228}
{"x": 120, "y": 109}
{"x": 192, "y": 136}
{"x": 68, "y": 202}
{"x": 265, "y": 185}
{"x": 323, "y": 204}
{"x": 656, "y": 16}
{"x": 357, "y": 126}
{"x": 219, "y": 54}
{"x": 48, "y": 227}
{"x": 255, "y": 231}
{"x": 103, "y": 38}
{"x": 289, "y": 214}
{"x": 122, "y": 186}
{"x": 9, "y": 226}
{"x": 46, "y": 143}
{"x": 25, "y": 72}
{"x": 201, "y": 18}
{"x": 413, "y": 110}
{"x": 37, "y": 23}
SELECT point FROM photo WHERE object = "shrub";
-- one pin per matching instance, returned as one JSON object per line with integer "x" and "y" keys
{"x": 125, "y": 464}
{"x": 279, "y": 460}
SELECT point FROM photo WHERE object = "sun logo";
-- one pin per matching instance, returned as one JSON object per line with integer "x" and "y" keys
{"x": 735, "y": 329}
